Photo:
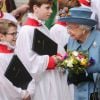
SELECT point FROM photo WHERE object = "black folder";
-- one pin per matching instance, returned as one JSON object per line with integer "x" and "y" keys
{"x": 65, "y": 47}
{"x": 17, "y": 73}
{"x": 43, "y": 45}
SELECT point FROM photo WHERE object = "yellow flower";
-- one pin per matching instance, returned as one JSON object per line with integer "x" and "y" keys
{"x": 84, "y": 62}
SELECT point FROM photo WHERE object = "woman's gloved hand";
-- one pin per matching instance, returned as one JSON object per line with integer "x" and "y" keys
{"x": 75, "y": 79}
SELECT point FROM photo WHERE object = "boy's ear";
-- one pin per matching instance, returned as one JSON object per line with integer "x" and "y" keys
{"x": 35, "y": 8}
{"x": 1, "y": 36}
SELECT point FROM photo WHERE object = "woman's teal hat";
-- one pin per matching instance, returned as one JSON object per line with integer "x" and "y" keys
{"x": 79, "y": 15}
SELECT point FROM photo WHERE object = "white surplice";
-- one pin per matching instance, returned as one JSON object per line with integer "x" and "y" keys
{"x": 7, "y": 90}
{"x": 45, "y": 80}
{"x": 60, "y": 35}
{"x": 95, "y": 6}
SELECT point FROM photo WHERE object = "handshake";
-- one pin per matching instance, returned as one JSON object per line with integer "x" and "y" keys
{"x": 57, "y": 58}
{"x": 53, "y": 61}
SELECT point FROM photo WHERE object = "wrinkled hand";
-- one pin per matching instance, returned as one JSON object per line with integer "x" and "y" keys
{"x": 75, "y": 79}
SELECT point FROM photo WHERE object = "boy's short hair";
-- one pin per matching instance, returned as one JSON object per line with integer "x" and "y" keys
{"x": 38, "y": 3}
{"x": 4, "y": 27}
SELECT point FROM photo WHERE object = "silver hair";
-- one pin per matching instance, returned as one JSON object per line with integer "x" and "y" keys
{"x": 85, "y": 27}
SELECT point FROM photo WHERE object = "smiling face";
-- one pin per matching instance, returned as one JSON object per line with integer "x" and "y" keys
{"x": 11, "y": 35}
{"x": 74, "y": 31}
{"x": 43, "y": 12}
{"x": 78, "y": 32}
{"x": 8, "y": 32}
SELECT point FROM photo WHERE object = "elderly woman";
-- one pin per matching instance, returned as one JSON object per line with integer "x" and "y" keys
{"x": 83, "y": 37}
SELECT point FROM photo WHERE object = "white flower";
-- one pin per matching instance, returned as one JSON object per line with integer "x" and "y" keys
{"x": 70, "y": 63}
{"x": 75, "y": 53}
{"x": 66, "y": 61}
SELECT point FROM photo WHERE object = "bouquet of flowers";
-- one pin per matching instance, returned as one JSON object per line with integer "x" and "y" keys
{"x": 76, "y": 62}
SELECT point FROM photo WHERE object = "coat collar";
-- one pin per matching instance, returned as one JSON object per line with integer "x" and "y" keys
{"x": 86, "y": 45}
{"x": 89, "y": 42}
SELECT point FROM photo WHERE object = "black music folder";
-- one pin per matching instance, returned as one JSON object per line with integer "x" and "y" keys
{"x": 65, "y": 47}
{"x": 43, "y": 45}
{"x": 17, "y": 73}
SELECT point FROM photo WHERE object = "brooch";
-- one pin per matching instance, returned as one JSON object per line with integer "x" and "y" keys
{"x": 94, "y": 44}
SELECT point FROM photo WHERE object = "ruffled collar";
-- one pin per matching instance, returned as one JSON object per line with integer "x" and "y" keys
{"x": 32, "y": 16}
{"x": 5, "y": 47}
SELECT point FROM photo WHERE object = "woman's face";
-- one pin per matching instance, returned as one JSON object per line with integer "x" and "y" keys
{"x": 75, "y": 31}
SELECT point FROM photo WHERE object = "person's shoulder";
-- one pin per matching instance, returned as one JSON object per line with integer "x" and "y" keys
{"x": 27, "y": 28}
